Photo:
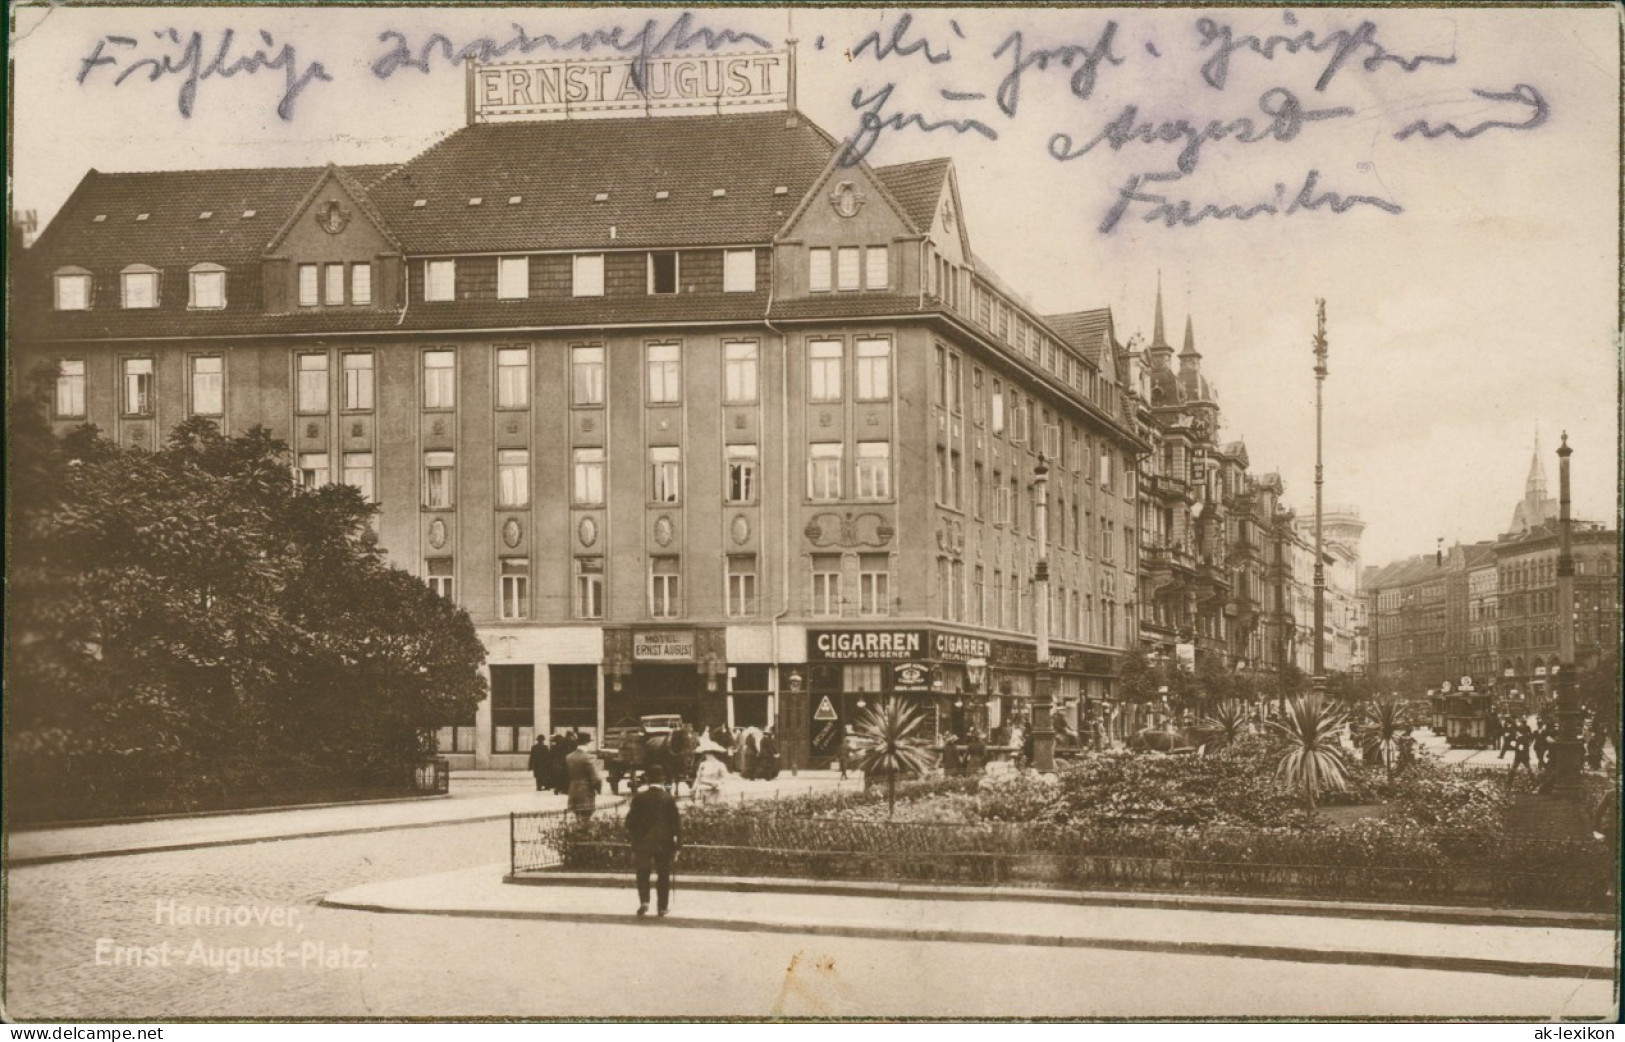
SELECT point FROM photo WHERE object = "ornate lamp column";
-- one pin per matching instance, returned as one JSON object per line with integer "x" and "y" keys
{"x": 1567, "y": 747}
{"x": 1318, "y": 682}
{"x": 1042, "y": 724}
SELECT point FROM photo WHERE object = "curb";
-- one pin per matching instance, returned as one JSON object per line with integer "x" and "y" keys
{"x": 190, "y": 815}
{"x": 1448, "y": 964}
{"x": 1446, "y": 914}
{"x": 166, "y": 848}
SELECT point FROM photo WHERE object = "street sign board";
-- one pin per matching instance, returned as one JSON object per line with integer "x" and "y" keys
{"x": 825, "y": 710}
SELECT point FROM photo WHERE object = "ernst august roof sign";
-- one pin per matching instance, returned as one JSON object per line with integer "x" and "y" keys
{"x": 696, "y": 84}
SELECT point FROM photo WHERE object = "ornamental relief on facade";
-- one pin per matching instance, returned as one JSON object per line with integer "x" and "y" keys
{"x": 850, "y": 530}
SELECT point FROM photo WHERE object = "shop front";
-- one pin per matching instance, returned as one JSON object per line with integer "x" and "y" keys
{"x": 936, "y": 673}
{"x": 668, "y": 671}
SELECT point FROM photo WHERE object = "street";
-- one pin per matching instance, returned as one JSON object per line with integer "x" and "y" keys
{"x": 89, "y": 939}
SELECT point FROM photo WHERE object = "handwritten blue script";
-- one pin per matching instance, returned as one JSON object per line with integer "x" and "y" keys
{"x": 1343, "y": 44}
{"x": 1182, "y": 213}
{"x": 193, "y": 68}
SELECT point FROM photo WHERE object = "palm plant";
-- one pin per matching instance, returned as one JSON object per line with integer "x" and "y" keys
{"x": 885, "y": 744}
{"x": 1381, "y": 723}
{"x": 1313, "y": 760}
{"x": 1228, "y": 723}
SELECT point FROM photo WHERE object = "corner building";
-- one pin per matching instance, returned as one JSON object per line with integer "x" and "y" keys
{"x": 690, "y": 416}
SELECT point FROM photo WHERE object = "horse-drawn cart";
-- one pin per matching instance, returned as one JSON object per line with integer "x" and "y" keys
{"x": 631, "y": 748}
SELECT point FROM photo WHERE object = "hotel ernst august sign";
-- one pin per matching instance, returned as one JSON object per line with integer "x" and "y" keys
{"x": 503, "y": 92}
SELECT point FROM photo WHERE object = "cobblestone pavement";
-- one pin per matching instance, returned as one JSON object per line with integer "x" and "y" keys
{"x": 342, "y": 963}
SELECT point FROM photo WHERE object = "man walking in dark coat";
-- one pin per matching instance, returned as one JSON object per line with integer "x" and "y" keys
{"x": 560, "y": 773}
{"x": 1521, "y": 743}
{"x": 540, "y": 765}
{"x": 655, "y": 827}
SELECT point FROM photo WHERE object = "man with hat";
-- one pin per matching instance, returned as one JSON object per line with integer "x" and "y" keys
{"x": 655, "y": 827}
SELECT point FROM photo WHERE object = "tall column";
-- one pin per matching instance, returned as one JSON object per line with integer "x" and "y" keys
{"x": 1567, "y": 748}
{"x": 1319, "y": 680}
{"x": 1042, "y": 722}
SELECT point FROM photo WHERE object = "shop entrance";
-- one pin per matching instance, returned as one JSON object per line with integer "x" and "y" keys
{"x": 650, "y": 689}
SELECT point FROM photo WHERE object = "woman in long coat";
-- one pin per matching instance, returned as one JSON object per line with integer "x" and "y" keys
{"x": 584, "y": 782}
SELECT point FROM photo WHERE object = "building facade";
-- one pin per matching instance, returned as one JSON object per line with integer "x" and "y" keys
{"x": 747, "y": 434}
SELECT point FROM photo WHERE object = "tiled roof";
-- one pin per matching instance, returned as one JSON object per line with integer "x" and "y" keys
{"x": 559, "y": 169}
{"x": 174, "y": 232}
{"x": 1405, "y": 573}
{"x": 1084, "y": 330}
{"x": 916, "y": 187}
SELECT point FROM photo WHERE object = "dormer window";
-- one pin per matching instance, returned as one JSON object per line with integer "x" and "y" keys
{"x": 72, "y": 289}
{"x": 208, "y": 287}
{"x": 139, "y": 286}
{"x": 663, "y": 271}
{"x": 440, "y": 280}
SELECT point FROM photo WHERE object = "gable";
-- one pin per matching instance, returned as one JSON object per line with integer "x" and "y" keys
{"x": 948, "y": 223}
{"x": 335, "y": 221}
{"x": 848, "y": 206}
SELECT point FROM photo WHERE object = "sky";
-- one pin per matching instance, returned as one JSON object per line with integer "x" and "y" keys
{"x": 1468, "y": 256}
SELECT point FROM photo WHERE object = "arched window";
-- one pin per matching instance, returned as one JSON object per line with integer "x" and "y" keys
{"x": 71, "y": 289}
{"x": 207, "y": 283}
{"x": 138, "y": 286}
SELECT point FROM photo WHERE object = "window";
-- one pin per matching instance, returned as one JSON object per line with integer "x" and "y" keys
{"x": 818, "y": 270}
{"x": 587, "y": 375}
{"x": 208, "y": 287}
{"x": 874, "y": 370}
{"x": 333, "y": 275}
{"x": 998, "y": 408}
{"x": 978, "y": 492}
{"x": 438, "y": 470}
{"x": 589, "y": 588}
{"x": 1018, "y": 424}
{"x": 742, "y": 460}
{"x": 662, "y": 272}
{"x": 741, "y": 584}
{"x": 439, "y": 380}
{"x": 824, "y": 371}
{"x": 208, "y": 385}
{"x": 310, "y": 287}
{"x": 441, "y": 577}
{"x": 998, "y": 598}
{"x": 513, "y": 377}
{"x": 826, "y": 584}
{"x": 874, "y": 470}
{"x": 513, "y": 477}
{"x": 514, "y": 587}
{"x": 361, "y": 283}
{"x": 587, "y": 482}
{"x": 358, "y": 380}
{"x": 140, "y": 287}
{"x": 953, "y": 496}
{"x": 137, "y": 386}
{"x": 876, "y": 268}
{"x": 665, "y": 369}
{"x": 957, "y": 589}
{"x": 740, "y": 371}
{"x": 358, "y": 473}
{"x": 513, "y": 278}
{"x": 824, "y": 470}
{"x": 739, "y": 271}
{"x": 313, "y": 472}
{"x": 978, "y": 597}
{"x": 73, "y": 292}
{"x": 665, "y": 589}
{"x": 978, "y": 401}
{"x": 587, "y": 275}
{"x": 312, "y": 384}
{"x": 1105, "y": 471}
{"x": 439, "y": 280}
{"x": 70, "y": 388}
{"x": 846, "y": 267}
{"x": 942, "y": 375}
{"x": 954, "y": 388}
{"x": 665, "y": 473}
{"x": 1001, "y": 500}
{"x": 874, "y": 584}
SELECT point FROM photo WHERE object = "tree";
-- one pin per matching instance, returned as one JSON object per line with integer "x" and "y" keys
{"x": 191, "y": 618}
{"x": 1288, "y": 681}
{"x": 1313, "y": 759}
{"x": 1381, "y": 723}
{"x": 886, "y": 745}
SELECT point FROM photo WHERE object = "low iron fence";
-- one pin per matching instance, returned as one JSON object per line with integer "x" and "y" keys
{"x": 1445, "y": 866}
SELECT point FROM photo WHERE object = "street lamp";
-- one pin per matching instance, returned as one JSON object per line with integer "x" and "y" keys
{"x": 1567, "y": 747}
{"x": 1043, "y": 728}
{"x": 1318, "y": 682}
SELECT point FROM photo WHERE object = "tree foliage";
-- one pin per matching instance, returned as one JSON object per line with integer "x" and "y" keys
{"x": 886, "y": 745}
{"x": 191, "y": 618}
{"x": 1313, "y": 760}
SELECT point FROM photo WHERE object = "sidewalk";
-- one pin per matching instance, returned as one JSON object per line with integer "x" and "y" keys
{"x": 1315, "y": 932}
{"x": 490, "y": 798}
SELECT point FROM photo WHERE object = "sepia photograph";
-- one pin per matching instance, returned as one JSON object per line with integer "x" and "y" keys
{"x": 793, "y": 513}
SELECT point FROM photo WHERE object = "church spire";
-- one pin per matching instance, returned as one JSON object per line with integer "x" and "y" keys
{"x": 1158, "y": 339}
{"x": 1189, "y": 350}
{"x": 1535, "y": 487}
